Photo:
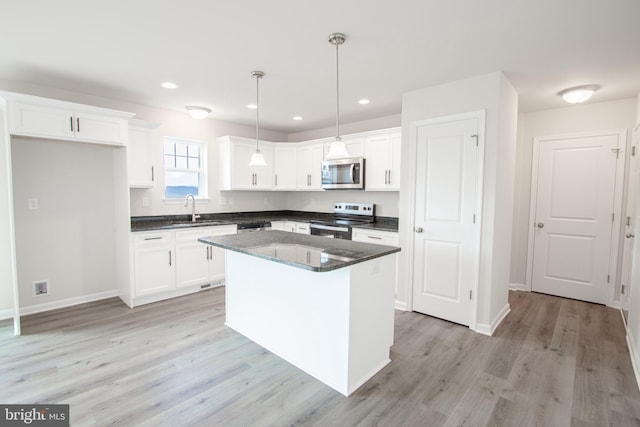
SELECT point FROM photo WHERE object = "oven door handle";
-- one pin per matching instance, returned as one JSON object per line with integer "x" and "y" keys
{"x": 353, "y": 169}
{"x": 329, "y": 227}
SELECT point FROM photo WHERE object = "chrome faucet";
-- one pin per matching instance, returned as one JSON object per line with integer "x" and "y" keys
{"x": 194, "y": 215}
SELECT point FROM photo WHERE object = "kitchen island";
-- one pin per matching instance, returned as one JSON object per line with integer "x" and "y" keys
{"x": 324, "y": 305}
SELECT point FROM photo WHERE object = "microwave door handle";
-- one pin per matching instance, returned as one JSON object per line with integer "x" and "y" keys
{"x": 353, "y": 169}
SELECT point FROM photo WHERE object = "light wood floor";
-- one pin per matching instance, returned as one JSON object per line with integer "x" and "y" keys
{"x": 553, "y": 362}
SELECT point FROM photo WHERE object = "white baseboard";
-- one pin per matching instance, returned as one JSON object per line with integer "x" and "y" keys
{"x": 39, "y": 308}
{"x": 489, "y": 329}
{"x": 517, "y": 287}
{"x": 401, "y": 305}
{"x": 6, "y": 314}
{"x": 633, "y": 353}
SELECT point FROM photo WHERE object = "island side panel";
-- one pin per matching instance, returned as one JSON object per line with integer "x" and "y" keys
{"x": 302, "y": 316}
{"x": 372, "y": 300}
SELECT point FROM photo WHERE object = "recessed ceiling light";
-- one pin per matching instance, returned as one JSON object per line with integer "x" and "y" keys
{"x": 578, "y": 94}
{"x": 252, "y": 106}
{"x": 169, "y": 85}
{"x": 297, "y": 117}
{"x": 363, "y": 101}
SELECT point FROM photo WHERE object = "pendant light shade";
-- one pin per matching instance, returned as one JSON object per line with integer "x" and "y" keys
{"x": 337, "y": 149}
{"x": 257, "y": 159}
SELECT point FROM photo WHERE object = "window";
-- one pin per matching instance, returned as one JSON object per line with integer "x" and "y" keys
{"x": 184, "y": 168}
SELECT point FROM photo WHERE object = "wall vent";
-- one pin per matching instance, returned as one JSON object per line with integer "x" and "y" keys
{"x": 41, "y": 288}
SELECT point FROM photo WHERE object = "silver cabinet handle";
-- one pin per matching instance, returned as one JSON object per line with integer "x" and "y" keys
{"x": 540, "y": 225}
{"x": 630, "y": 236}
{"x": 418, "y": 229}
{"x": 71, "y": 123}
{"x": 77, "y": 124}
{"x": 207, "y": 248}
{"x": 389, "y": 182}
{"x": 375, "y": 237}
{"x": 169, "y": 258}
{"x": 153, "y": 178}
{"x": 276, "y": 180}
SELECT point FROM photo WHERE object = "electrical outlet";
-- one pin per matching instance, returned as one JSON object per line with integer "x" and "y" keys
{"x": 33, "y": 204}
{"x": 41, "y": 288}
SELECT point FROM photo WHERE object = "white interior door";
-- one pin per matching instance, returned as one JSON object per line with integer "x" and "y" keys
{"x": 445, "y": 238}
{"x": 574, "y": 215}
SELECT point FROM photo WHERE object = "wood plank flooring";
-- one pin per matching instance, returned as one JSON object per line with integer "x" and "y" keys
{"x": 553, "y": 362}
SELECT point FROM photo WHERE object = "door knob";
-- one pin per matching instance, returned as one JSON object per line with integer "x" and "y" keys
{"x": 418, "y": 229}
{"x": 629, "y": 235}
{"x": 540, "y": 225}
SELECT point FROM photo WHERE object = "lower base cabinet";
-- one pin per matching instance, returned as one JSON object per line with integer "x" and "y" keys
{"x": 167, "y": 264}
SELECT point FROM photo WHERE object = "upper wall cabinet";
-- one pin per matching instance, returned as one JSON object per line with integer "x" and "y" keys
{"x": 310, "y": 158}
{"x": 382, "y": 154}
{"x": 284, "y": 173}
{"x": 235, "y": 172}
{"x": 47, "y": 118}
{"x": 140, "y": 153}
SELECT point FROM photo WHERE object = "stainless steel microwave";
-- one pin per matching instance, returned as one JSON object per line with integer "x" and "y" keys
{"x": 343, "y": 174}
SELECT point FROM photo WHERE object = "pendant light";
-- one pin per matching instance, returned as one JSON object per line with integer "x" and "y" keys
{"x": 257, "y": 159}
{"x": 337, "y": 149}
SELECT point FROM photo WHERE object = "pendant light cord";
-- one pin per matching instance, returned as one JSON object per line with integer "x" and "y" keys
{"x": 337, "y": 94}
{"x": 258, "y": 113}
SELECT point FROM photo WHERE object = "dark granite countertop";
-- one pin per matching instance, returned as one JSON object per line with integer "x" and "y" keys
{"x": 167, "y": 222}
{"x": 314, "y": 253}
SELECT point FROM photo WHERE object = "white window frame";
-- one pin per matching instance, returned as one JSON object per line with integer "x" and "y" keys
{"x": 203, "y": 188}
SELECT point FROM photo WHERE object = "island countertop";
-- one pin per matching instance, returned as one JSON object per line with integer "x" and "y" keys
{"x": 313, "y": 253}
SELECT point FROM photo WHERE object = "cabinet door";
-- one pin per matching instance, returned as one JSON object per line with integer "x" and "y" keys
{"x": 264, "y": 174}
{"x": 302, "y": 228}
{"x": 101, "y": 129}
{"x": 139, "y": 157}
{"x": 217, "y": 266}
{"x": 192, "y": 263}
{"x": 278, "y": 225}
{"x": 154, "y": 263}
{"x": 241, "y": 173}
{"x": 310, "y": 166}
{"x": 33, "y": 120}
{"x": 394, "y": 166}
{"x": 377, "y": 162}
{"x": 290, "y": 227}
{"x": 285, "y": 172}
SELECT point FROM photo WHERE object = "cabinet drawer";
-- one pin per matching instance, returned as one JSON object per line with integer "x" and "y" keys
{"x": 152, "y": 238}
{"x": 376, "y": 237}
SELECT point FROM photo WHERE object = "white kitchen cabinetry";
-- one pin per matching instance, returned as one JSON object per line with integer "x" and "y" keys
{"x": 378, "y": 237}
{"x": 140, "y": 153}
{"x": 382, "y": 168}
{"x": 172, "y": 263}
{"x": 197, "y": 263}
{"x": 154, "y": 263}
{"x": 278, "y": 225}
{"x": 310, "y": 167}
{"x": 235, "y": 172}
{"x": 302, "y": 228}
{"x": 354, "y": 144}
{"x": 284, "y": 174}
{"x": 46, "y": 118}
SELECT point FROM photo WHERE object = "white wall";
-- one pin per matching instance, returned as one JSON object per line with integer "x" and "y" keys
{"x": 347, "y": 128}
{"x": 70, "y": 239}
{"x": 322, "y": 201}
{"x": 576, "y": 118}
{"x": 493, "y": 93}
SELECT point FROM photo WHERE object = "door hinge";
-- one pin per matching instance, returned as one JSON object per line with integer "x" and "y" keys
{"x": 470, "y": 294}
{"x": 608, "y": 278}
{"x": 474, "y": 218}
{"x": 617, "y": 151}
{"x": 613, "y": 217}
{"x": 476, "y": 138}
{"x": 622, "y": 289}
{"x": 633, "y": 151}
{"x": 628, "y": 221}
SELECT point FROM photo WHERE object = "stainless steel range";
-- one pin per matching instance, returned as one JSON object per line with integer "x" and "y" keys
{"x": 345, "y": 215}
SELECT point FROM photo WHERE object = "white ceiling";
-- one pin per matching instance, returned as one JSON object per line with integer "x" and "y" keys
{"x": 125, "y": 49}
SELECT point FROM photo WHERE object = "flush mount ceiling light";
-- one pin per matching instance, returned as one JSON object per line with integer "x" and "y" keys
{"x": 257, "y": 159}
{"x": 297, "y": 118}
{"x": 197, "y": 112}
{"x": 337, "y": 149}
{"x": 252, "y": 106}
{"x": 578, "y": 94}
{"x": 169, "y": 85}
{"x": 364, "y": 101}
